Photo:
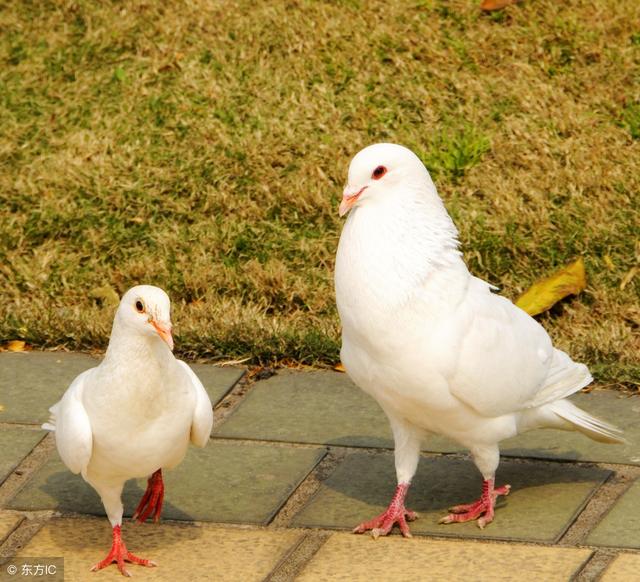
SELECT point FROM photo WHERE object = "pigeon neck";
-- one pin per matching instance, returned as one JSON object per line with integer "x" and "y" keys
{"x": 127, "y": 345}
{"x": 392, "y": 246}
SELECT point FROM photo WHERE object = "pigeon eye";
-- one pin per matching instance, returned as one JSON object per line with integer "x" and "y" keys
{"x": 139, "y": 306}
{"x": 379, "y": 172}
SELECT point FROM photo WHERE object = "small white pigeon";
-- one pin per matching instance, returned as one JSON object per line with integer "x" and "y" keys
{"x": 133, "y": 415}
{"x": 431, "y": 343}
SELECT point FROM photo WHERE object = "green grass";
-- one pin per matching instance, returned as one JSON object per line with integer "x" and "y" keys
{"x": 203, "y": 147}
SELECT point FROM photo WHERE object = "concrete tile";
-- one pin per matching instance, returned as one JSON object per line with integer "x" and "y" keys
{"x": 218, "y": 381}
{"x": 621, "y": 526}
{"x": 545, "y": 497}
{"x": 182, "y": 552}
{"x": 350, "y": 558}
{"x": 625, "y": 568}
{"x": 225, "y": 482}
{"x": 8, "y": 522}
{"x": 30, "y": 382}
{"x": 15, "y": 444}
{"x": 330, "y": 409}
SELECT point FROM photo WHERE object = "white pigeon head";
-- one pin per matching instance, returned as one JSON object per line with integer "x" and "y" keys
{"x": 146, "y": 310}
{"x": 377, "y": 170}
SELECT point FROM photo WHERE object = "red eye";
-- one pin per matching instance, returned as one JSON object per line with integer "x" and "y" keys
{"x": 379, "y": 172}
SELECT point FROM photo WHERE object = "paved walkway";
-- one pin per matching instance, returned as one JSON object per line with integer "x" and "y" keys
{"x": 296, "y": 460}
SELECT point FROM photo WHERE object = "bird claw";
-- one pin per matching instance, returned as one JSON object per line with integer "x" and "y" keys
{"x": 119, "y": 554}
{"x": 152, "y": 499}
{"x": 482, "y": 509}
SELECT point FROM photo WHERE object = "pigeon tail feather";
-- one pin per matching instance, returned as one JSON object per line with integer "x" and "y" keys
{"x": 565, "y": 378}
{"x": 588, "y": 425}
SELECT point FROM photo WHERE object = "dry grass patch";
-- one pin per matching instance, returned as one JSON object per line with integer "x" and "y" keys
{"x": 202, "y": 147}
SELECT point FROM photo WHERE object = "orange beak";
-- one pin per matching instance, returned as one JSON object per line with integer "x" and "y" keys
{"x": 349, "y": 198}
{"x": 164, "y": 331}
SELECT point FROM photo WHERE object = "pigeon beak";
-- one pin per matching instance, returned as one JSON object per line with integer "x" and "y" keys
{"x": 349, "y": 198}
{"x": 164, "y": 331}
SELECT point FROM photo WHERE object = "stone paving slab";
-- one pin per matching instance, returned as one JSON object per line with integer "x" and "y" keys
{"x": 8, "y": 522}
{"x": 625, "y": 568}
{"x": 330, "y": 409}
{"x": 621, "y": 526}
{"x": 30, "y": 382}
{"x": 350, "y": 558}
{"x": 225, "y": 482}
{"x": 15, "y": 444}
{"x": 183, "y": 552}
{"x": 544, "y": 500}
{"x": 309, "y": 407}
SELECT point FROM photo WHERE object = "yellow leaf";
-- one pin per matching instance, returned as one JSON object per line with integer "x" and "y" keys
{"x": 16, "y": 346}
{"x": 628, "y": 277}
{"x": 547, "y": 292}
{"x": 1, "y": 408}
{"x": 609, "y": 263}
{"x": 339, "y": 367}
{"x": 106, "y": 294}
{"x": 489, "y": 5}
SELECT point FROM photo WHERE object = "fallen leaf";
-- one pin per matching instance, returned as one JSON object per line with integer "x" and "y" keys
{"x": 628, "y": 277}
{"x": 339, "y": 367}
{"x": 106, "y": 294}
{"x": 609, "y": 263}
{"x": 1, "y": 408}
{"x": 489, "y": 5}
{"x": 16, "y": 346}
{"x": 547, "y": 292}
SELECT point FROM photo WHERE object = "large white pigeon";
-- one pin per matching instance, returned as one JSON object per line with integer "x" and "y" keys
{"x": 133, "y": 415}
{"x": 431, "y": 343}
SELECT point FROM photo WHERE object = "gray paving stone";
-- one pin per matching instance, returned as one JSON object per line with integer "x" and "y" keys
{"x": 323, "y": 407}
{"x": 544, "y": 500}
{"x": 15, "y": 444}
{"x": 309, "y": 407}
{"x": 30, "y": 382}
{"x": 224, "y": 482}
{"x": 621, "y": 526}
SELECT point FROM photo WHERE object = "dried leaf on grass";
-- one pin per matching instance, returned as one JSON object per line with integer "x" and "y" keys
{"x": 547, "y": 292}
{"x": 628, "y": 277}
{"x": 16, "y": 346}
{"x": 489, "y": 5}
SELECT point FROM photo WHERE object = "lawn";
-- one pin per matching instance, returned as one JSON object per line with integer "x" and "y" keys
{"x": 202, "y": 146}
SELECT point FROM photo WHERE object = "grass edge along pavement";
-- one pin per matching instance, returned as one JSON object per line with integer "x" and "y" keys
{"x": 203, "y": 149}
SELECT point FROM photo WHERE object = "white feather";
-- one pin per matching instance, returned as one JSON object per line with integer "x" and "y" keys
{"x": 439, "y": 351}
{"x": 137, "y": 411}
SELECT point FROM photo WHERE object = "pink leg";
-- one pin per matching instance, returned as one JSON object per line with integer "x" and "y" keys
{"x": 483, "y": 507}
{"x": 152, "y": 499}
{"x": 395, "y": 513}
{"x": 119, "y": 554}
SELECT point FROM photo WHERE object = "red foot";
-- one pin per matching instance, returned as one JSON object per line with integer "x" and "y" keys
{"x": 483, "y": 507}
{"x": 395, "y": 513}
{"x": 151, "y": 500}
{"x": 119, "y": 554}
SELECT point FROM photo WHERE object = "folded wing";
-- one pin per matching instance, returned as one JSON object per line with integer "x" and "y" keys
{"x": 203, "y": 411}
{"x": 70, "y": 421}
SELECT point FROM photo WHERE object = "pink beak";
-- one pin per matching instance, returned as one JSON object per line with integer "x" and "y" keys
{"x": 349, "y": 198}
{"x": 164, "y": 331}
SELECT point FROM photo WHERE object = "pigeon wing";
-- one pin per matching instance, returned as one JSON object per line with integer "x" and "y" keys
{"x": 505, "y": 360}
{"x": 203, "y": 411}
{"x": 70, "y": 421}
